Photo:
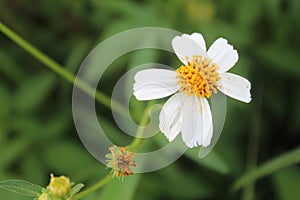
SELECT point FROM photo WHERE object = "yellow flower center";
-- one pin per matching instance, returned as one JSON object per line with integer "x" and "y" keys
{"x": 199, "y": 77}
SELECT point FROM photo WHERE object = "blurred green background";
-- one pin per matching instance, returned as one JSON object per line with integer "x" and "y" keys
{"x": 37, "y": 134}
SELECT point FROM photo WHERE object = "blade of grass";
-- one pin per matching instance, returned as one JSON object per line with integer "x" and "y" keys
{"x": 58, "y": 69}
{"x": 253, "y": 145}
{"x": 285, "y": 160}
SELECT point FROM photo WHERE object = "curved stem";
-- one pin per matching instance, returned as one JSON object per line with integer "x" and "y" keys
{"x": 144, "y": 119}
{"x": 60, "y": 70}
{"x": 68, "y": 76}
{"x": 95, "y": 187}
{"x": 134, "y": 144}
{"x": 280, "y": 162}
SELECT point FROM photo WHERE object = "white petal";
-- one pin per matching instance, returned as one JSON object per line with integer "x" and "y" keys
{"x": 185, "y": 48}
{"x": 235, "y": 86}
{"x": 223, "y": 54}
{"x": 154, "y": 84}
{"x": 198, "y": 38}
{"x": 207, "y": 123}
{"x": 170, "y": 117}
{"x": 196, "y": 122}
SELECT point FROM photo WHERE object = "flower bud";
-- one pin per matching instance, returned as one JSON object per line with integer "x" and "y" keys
{"x": 59, "y": 186}
{"x": 121, "y": 161}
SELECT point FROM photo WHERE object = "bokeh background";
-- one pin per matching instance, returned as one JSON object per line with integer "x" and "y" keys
{"x": 37, "y": 134}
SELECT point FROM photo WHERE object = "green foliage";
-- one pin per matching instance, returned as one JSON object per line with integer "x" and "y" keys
{"x": 213, "y": 161}
{"x": 75, "y": 189}
{"x": 23, "y": 188}
{"x": 37, "y": 134}
{"x": 125, "y": 189}
{"x": 270, "y": 167}
{"x": 286, "y": 183}
{"x": 27, "y": 189}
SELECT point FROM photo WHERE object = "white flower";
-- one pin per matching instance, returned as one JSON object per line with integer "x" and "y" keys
{"x": 201, "y": 74}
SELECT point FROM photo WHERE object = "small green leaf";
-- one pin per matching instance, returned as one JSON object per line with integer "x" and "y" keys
{"x": 21, "y": 187}
{"x": 74, "y": 190}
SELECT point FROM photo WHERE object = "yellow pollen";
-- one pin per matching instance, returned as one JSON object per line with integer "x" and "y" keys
{"x": 199, "y": 77}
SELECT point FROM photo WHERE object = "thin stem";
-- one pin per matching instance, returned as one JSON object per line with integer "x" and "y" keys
{"x": 60, "y": 70}
{"x": 144, "y": 119}
{"x": 280, "y": 162}
{"x": 253, "y": 145}
{"x": 135, "y": 143}
{"x": 95, "y": 187}
{"x": 68, "y": 76}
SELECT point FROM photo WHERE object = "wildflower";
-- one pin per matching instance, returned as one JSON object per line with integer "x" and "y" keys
{"x": 59, "y": 186}
{"x": 44, "y": 196}
{"x": 121, "y": 161}
{"x": 202, "y": 74}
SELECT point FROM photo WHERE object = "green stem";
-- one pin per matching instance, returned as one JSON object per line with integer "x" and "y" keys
{"x": 144, "y": 119}
{"x": 253, "y": 145}
{"x": 95, "y": 187}
{"x": 135, "y": 143}
{"x": 68, "y": 76}
{"x": 280, "y": 162}
{"x": 60, "y": 70}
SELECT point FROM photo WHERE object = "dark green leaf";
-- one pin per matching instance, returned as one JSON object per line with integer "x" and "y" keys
{"x": 21, "y": 187}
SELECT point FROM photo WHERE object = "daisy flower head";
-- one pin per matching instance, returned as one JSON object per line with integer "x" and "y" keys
{"x": 202, "y": 74}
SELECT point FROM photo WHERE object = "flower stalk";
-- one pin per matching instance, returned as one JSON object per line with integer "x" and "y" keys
{"x": 60, "y": 70}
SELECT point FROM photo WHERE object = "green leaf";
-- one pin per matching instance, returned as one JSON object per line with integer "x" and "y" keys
{"x": 7, "y": 195}
{"x": 75, "y": 189}
{"x": 21, "y": 187}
